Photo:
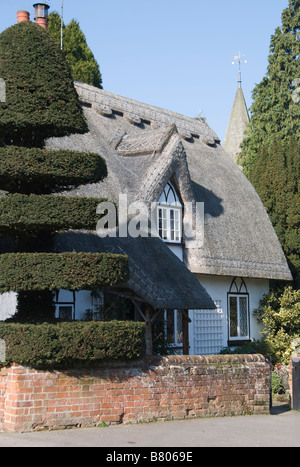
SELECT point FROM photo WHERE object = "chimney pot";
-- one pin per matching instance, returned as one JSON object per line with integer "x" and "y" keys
{"x": 42, "y": 22}
{"x": 23, "y": 16}
{"x": 41, "y": 14}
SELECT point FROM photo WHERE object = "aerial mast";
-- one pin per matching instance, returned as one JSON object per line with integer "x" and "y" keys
{"x": 62, "y": 24}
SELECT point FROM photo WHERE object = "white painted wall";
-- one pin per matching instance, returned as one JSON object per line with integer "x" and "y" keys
{"x": 83, "y": 301}
{"x": 8, "y": 305}
{"x": 209, "y": 329}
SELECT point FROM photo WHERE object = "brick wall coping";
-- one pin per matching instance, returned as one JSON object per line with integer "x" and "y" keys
{"x": 211, "y": 359}
{"x": 170, "y": 360}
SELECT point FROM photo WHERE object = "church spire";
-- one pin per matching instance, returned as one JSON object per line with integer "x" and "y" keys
{"x": 239, "y": 118}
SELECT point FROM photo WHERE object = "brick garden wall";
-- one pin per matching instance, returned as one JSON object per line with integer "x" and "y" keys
{"x": 174, "y": 387}
{"x": 290, "y": 376}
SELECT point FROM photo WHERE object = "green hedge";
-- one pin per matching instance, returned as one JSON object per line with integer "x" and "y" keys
{"x": 67, "y": 344}
{"x": 71, "y": 271}
{"x": 34, "y": 170}
{"x": 21, "y": 213}
{"x": 41, "y": 100}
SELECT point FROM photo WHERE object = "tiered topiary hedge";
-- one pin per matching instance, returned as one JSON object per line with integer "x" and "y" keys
{"x": 63, "y": 345}
{"x": 38, "y": 213}
{"x": 54, "y": 271}
{"x": 41, "y": 102}
{"x": 35, "y": 170}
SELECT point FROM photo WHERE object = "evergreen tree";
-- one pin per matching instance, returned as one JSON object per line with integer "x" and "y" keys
{"x": 271, "y": 150}
{"x": 275, "y": 109}
{"x": 78, "y": 55}
{"x": 275, "y": 175}
{"x": 41, "y": 102}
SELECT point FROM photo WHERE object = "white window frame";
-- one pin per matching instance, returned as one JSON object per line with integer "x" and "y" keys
{"x": 169, "y": 216}
{"x": 239, "y": 337}
{"x": 64, "y": 305}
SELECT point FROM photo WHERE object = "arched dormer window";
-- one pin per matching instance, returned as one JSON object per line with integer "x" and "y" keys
{"x": 169, "y": 215}
{"x": 238, "y": 311}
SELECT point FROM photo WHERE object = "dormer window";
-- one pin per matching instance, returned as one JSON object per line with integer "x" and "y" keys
{"x": 169, "y": 215}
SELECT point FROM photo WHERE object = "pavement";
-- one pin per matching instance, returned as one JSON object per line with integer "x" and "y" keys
{"x": 279, "y": 429}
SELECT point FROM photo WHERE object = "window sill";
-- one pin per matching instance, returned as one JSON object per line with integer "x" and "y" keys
{"x": 236, "y": 343}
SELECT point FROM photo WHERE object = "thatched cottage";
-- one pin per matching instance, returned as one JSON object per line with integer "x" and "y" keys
{"x": 206, "y": 289}
{"x": 154, "y": 155}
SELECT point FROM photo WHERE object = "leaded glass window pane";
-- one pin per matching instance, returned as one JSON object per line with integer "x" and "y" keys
{"x": 243, "y": 316}
{"x": 179, "y": 328}
{"x": 233, "y": 317}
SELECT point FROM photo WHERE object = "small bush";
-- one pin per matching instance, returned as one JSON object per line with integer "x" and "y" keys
{"x": 64, "y": 345}
{"x": 279, "y": 311}
{"x": 277, "y": 386}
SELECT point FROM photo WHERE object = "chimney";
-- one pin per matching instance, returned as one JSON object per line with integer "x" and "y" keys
{"x": 22, "y": 16}
{"x": 41, "y": 14}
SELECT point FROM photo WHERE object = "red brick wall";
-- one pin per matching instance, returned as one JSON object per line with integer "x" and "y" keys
{"x": 174, "y": 387}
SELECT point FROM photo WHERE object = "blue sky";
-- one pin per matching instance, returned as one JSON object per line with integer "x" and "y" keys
{"x": 173, "y": 54}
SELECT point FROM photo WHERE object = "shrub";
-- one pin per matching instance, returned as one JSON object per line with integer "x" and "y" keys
{"x": 35, "y": 170}
{"x": 277, "y": 386}
{"x": 69, "y": 344}
{"x": 279, "y": 311}
{"x": 70, "y": 271}
{"x": 255, "y": 347}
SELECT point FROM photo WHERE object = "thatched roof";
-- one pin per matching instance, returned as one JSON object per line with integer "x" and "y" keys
{"x": 145, "y": 147}
{"x": 157, "y": 276}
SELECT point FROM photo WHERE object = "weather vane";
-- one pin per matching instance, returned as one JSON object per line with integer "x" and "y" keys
{"x": 239, "y": 59}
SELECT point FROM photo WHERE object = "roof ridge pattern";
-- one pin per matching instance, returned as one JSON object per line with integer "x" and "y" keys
{"x": 106, "y": 103}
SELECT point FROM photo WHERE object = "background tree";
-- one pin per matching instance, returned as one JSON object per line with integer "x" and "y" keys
{"x": 78, "y": 55}
{"x": 274, "y": 110}
{"x": 271, "y": 151}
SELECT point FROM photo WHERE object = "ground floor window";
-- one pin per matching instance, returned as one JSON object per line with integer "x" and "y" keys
{"x": 238, "y": 317}
{"x": 65, "y": 312}
{"x": 174, "y": 327}
{"x": 238, "y": 311}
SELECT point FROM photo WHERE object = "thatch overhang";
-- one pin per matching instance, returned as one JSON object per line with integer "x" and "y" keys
{"x": 157, "y": 276}
{"x": 145, "y": 147}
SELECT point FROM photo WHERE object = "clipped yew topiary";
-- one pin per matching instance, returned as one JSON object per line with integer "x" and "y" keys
{"x": 41, "y": 100}
{"x": 54, "y": 271}
{"x": 64, "y": 345}
{"x": 34, "y": 170}
{"x": 45, "y": 213}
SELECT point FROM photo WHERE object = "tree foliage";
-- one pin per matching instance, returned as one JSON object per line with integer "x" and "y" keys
{"x": 280, "y": 313}
{"x": 35, "y": 170}
{"x": 275, "y": 110}
{"x": 41, "y": 100}
{"x": 78, "y": 55}
{"x": 276, "y": 177}
{"x": 271, "y": 149}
